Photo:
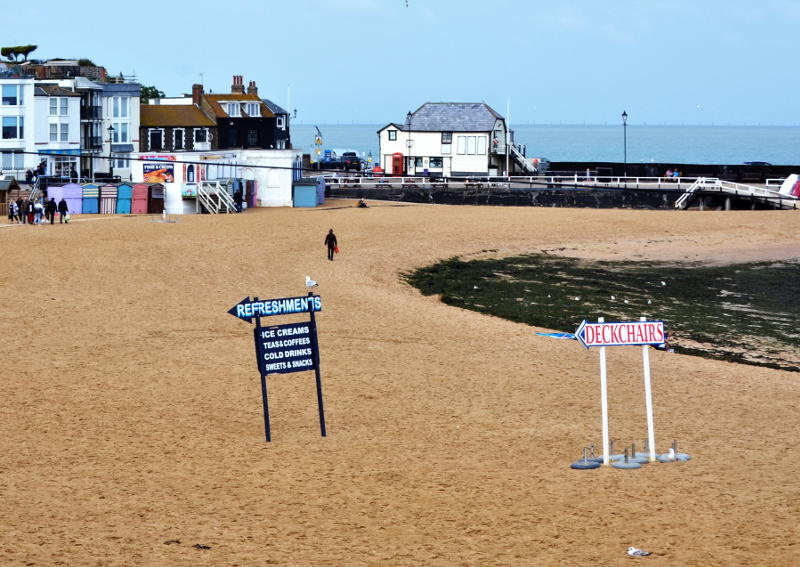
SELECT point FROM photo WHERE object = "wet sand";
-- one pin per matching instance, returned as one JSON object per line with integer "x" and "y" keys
{"x": 131, "y": 411}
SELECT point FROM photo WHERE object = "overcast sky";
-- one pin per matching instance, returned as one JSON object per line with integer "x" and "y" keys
{"x": 370, "y": 61}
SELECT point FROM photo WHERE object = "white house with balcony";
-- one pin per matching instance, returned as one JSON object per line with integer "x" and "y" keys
{"x": 451, "y": 139}
{"x": 17, "y": 116}
{"x": 57, "y": 130}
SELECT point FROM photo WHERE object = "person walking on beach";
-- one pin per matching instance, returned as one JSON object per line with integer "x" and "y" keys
{"x": 29, "y": 211}
{"x": 331, "y": 243}
{"x": 38, "y": 209}
{"x": 63, "y": 209}
{"x": 12, "y": 212}
{"x": 51, "y": 208}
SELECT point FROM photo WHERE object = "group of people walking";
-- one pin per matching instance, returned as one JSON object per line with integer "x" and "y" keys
{"x": 37, "y": 211}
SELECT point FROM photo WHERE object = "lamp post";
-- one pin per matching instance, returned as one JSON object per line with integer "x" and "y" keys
{"x": 110, "y": 159}
{"x": 408, "y": 142}
{"x": 625, "y": 140}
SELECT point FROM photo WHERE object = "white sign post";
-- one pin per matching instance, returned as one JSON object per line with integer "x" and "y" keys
{"x": 648, "y": 401}
{"x": 623, "y": 333}
{"x": 604, "y": 400}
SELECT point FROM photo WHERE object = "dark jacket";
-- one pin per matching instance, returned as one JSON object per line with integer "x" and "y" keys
{"x": 51, "y": 206}
{"x": 330, "y": 240}
{"x": 62, "y": 206}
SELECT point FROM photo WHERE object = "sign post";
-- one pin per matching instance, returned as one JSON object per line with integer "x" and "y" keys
{"x": 604, "y": 400}
{"x": 648, "y": 400}
{"x": 281, "y": 349}
{"x": 264, "y": 398}
{"x": 315, "y": 348}
{"x": 623, "y": 333}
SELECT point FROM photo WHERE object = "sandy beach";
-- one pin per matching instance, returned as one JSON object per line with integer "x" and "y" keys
{"x": 133, "y": 431}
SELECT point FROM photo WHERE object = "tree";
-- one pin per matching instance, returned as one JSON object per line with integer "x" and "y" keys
{"x": 149, "y": 93}
{"x": 11, "y": 53}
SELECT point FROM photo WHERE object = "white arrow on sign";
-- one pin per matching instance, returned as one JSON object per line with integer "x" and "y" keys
{"x": 620, "y": 333}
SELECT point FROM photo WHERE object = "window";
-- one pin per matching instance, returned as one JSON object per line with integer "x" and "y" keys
{"x": 447, "y": 137}
{"x": 13, "y": 160}
{"x": 64, "y": 102}
{"x": 123, "y": 161}
{"x": 177, "y": 138}
{"x": 482, "y": 145}
{"x": 392, "y": 135}
{"x": 232, "y": 108}
{"x": 253, "y": 109}
{"x": 437, "y": 163}
{"x": 446, "y": 149}
{"x": 417, "y": 162}
{"x": 156, "y": 139}
{"x": 53, "y": 106}
{"x": 13, "y": 127}
{"x": 64, "y": 133}
{"x": 461, "y": 145}
{"x": 281, "y": 122}
{"x": 200, "y": 134}
{"x": 12, "y": 95}
{"x": 190, "y": 174}
{"x": 471, "y": 145}
{"x": 120, "y": 106}
{"x": 252, "y": 137}
{"x": 53, "y": 132}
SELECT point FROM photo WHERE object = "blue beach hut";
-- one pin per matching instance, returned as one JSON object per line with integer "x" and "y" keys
{"x": 91, "y": 198}
{"x": 124, "y": 197}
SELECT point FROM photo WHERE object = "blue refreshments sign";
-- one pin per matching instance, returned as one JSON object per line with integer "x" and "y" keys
{"x": 247, "y": 309}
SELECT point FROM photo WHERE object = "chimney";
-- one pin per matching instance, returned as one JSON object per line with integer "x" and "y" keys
{"x": 197, "y": 93}
{"x": 238, "y": 85}
{"x": 252, "y": 88}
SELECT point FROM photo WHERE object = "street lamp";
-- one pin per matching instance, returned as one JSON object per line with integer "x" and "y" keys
{"x": 110, "y": 159}
{"x": 408, "y": 143}
{"x": 625, "y": 140}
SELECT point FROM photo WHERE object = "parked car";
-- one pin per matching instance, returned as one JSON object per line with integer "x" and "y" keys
{"x": 352, "y": 162}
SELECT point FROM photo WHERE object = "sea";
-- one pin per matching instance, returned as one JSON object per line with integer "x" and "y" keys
{"x": 778, "y": 145}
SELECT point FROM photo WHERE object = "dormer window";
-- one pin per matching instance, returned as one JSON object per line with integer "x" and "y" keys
{"x": 232, "y": 108}
{"x": 253, "y": 109}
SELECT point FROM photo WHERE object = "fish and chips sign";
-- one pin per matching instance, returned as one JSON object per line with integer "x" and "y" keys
{"x": 281, "y": 349}
{"x": 624, "y": 333}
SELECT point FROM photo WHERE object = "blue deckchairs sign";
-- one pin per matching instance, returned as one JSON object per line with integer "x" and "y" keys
{"x": 281, "y": 349}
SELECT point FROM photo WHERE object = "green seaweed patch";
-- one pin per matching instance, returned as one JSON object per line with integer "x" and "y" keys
{"x": 744, "y": 313}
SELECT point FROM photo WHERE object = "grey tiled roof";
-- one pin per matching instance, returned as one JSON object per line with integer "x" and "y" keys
{"x": 273, "y": 107}
{"x": 453, "y": 117}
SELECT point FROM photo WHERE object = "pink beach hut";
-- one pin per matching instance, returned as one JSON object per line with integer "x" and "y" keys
{"x": 141, "y": 192}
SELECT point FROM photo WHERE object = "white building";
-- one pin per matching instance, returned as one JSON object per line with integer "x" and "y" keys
{"x": 17, "y": 116}
{"x": 450, "y": 139}
{"x": 269, "y": 173}
{"x": 57, "y": 130}
{"x": 121, "y": 113}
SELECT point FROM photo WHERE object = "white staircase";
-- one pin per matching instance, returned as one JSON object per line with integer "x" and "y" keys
{"x": 520, "y": 159}
{"x": 730, "y": 189}
{"x": 216, "y": 197}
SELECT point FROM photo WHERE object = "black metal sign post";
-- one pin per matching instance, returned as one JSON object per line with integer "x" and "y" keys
{"x": 281, "y": 349}
{"x": 315, "y": 348}
{"x": 257, "y": 335}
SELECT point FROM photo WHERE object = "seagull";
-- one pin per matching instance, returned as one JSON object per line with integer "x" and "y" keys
{"x": 625, "y": 301}
{"x": 310, "y": 282}
{"x": 578, "y": 298}
{"x": 548, "y": 296}
{"x": 613, "y": 298}
{"x": 663, "y": 283}
{"x": 475, "y": 287}
{"x": 634, "y": 552}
